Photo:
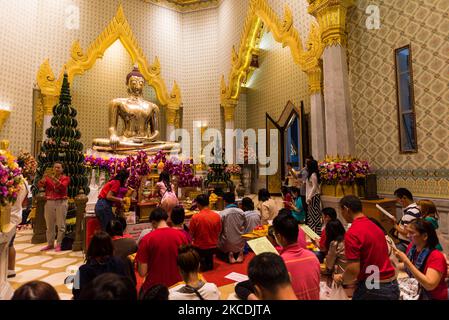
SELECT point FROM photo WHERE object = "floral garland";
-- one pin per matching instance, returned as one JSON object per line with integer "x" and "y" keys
{"x": 10, "y": 177}
{"x": 141, "y": 164}
{"x": 343, "y": 171}
{"x": 247, "y": 153}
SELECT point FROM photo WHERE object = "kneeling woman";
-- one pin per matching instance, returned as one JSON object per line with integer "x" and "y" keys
{"x": 107, "y": 196}
{"x": 193, "y": 288}
{"x": 424, "y": 262}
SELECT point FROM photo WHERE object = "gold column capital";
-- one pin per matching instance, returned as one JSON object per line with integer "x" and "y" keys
{"x": 229, "y": 109}
{"x": 171, "y": 114}
{"x": 4, "y": 115}
{"x": 315, "y": 79}
{"x": 49, "y": 101}
{"x": 331, "y": 16}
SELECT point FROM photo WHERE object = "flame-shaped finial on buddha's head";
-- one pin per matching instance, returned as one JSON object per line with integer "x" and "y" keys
{"x": 134, "y": 73}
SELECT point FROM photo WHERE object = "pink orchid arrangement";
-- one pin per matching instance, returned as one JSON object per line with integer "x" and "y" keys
{"x": 343, "y": 171}
{"x": 10, "y": 176}
{"x": 141, "y": 164}
{"x": 233, "y": 169}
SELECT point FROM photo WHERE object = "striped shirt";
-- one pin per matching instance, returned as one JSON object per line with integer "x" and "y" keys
{"x": 410, "y": 213}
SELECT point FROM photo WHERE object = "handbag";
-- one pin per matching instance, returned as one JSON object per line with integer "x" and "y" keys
{"x": 324, "y": 291}
{"x": 337, "y": 292}
{"x": 409, "y": 289}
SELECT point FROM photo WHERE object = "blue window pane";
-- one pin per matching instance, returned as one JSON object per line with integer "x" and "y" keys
{"x": 407, "y": 123}
{"x": 404, "y": 92}
{"x": 402, "y": 59}
{"x": 408, "y": 132}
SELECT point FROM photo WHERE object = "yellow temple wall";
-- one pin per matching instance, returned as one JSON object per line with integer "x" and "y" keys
{"x": 423, "y": 25}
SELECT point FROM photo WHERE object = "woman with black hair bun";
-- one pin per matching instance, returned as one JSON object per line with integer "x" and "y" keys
{"x": 313, "y": 198}
{"x": 335, "y": 258}
{"x": 108, "y": 195}
{"x": 99, "y": 260}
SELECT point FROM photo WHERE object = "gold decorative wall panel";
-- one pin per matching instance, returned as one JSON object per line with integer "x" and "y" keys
{"x": 186, "y": 5}
{"x": 80, "y": 62}
{"x": 423, "y": 25}
{"x": 34, "y": 30}
{"x": 260, "y": 18}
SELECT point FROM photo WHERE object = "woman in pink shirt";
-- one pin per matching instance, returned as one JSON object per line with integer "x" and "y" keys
{"x": 169, "y": 200}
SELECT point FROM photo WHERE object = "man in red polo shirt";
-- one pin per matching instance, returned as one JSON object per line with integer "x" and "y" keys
{"x": 205, "y": 228}
{"x": 366, "y": 250}
{"x": 302, "y": 264}
{"x": 158, "y": 251}
{"x": 56, "y": 206}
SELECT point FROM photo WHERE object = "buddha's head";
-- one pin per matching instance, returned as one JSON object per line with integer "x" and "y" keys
{"x": 135, "y": 82}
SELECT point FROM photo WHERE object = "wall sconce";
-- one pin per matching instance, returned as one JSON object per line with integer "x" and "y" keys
{"x": 5, "y": 111}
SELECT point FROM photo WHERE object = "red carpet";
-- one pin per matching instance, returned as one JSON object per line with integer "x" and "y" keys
{"x": 222, "y": 269}
{"x": 217, "y": 276}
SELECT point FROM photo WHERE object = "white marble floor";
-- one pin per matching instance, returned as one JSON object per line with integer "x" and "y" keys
{"x": 49, "y": 266}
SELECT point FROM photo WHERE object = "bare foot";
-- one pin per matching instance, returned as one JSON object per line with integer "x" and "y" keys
{"x": 231, "y": 258}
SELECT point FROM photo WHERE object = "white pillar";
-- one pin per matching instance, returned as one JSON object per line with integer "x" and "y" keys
{"x": 338, "y": 114}
{"x": 171, "y": 119}
{"x": 229, "y": 116}
{"x": 230, "y": 124}
{"x": 170, "y": 129}
{"x": 318, "y": 135}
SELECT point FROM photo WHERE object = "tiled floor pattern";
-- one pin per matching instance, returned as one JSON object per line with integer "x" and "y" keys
{"x": 50, "y": 266}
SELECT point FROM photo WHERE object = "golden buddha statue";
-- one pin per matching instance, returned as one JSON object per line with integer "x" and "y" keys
{"x": 140, "y": 119}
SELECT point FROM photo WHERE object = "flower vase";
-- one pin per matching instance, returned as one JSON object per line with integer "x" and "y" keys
{"x": 346, "y": 189}
{"x": 339, "y": 191}
{"x": 328, "y": 190}
{"x": 5, "y": 218}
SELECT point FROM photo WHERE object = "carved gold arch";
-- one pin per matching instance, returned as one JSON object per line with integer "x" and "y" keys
{"x": 80, "y": 62}
{"x": 261, "y": 16}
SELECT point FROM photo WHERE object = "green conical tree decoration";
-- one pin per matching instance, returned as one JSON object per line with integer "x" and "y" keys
{"x": 63, "y": 145}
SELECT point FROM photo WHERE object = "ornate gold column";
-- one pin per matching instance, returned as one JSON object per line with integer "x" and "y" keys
{"x": 172, "y": 112}
{"x": 229, "y": 116}
{"x": 331, "y": 16}
{"x": 318, "y": 134}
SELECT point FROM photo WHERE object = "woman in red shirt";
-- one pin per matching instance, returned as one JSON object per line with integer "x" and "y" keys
{"x": 424, "y": 262}
{"x": 107, "y": 196}
{"x": 56, "y": 206}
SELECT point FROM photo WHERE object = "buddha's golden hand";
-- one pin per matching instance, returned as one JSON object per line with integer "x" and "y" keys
{"x": 114, "y": 141}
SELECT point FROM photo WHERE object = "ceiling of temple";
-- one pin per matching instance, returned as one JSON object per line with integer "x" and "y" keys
{"x": 186, "y": 5}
